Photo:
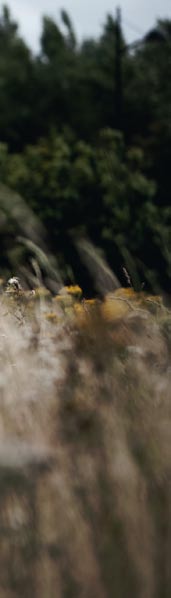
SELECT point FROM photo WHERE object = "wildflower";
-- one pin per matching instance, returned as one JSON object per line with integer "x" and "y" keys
{"x": 73, "y": 290}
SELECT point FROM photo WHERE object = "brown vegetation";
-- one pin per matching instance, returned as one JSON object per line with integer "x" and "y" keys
{"x": 85, "y": 452}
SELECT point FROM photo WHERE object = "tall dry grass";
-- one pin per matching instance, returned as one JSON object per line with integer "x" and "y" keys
{"x": 85, "y": 448}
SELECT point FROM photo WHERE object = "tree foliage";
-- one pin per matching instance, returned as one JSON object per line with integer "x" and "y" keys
{"x": 80, "y": 161}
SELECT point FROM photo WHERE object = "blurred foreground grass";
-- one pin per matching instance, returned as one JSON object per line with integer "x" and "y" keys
{"x": 85, "y": 445}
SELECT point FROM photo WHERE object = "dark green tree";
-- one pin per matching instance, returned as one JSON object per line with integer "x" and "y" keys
{"x": 16, "y": 82}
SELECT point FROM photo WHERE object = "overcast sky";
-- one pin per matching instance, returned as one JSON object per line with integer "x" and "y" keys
{"x": 88, "y": 16}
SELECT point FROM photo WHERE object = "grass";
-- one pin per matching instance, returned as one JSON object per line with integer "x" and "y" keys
{"x": 85, "y": 451}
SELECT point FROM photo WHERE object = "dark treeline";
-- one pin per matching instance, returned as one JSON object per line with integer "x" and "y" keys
{"x": 85, "y": 132}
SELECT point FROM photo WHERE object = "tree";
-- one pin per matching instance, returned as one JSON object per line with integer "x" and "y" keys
{"x": 148, "y": 104}
{"x": 16, "y": 76}
{"x": 99, "y": 191}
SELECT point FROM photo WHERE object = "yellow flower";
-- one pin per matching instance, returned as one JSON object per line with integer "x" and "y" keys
{"x": 73, "y": 290}
{"x": 90, "y": 302}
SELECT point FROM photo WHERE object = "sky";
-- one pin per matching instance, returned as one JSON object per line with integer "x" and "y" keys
{"x": 88, "y": 16}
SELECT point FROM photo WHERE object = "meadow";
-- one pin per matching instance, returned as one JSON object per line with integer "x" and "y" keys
{"x": 85, "y": 376}
{"x": 85, "y": 451}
